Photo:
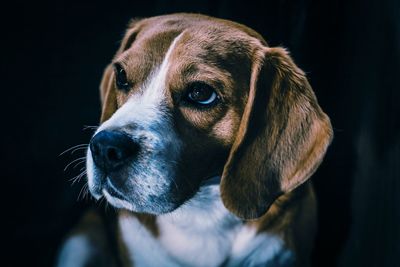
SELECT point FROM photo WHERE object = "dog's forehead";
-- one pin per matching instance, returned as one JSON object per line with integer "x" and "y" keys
{"x": 177, "y": 23}
{"x": 203, "y": 42}
{"x": 204, "y": 37}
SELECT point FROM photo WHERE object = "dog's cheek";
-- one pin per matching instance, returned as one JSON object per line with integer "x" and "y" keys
{"x": 201, "y": 119}
{"x": 224, "y": 130}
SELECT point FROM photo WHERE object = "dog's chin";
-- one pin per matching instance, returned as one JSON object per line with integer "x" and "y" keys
{"x": 118, "y": 198}
{"x": 148, "y": 208}
{"x": 152, "y": 204}
{"x": 117, "y": 202}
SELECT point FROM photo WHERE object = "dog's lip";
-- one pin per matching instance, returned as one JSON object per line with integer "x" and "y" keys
{"x": 112, "y": 191}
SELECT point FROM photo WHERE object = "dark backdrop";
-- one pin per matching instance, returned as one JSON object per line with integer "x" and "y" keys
{"x": 53, "y": 55}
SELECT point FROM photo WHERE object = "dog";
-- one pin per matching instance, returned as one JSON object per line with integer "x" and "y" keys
{"x": 207, "y": 141}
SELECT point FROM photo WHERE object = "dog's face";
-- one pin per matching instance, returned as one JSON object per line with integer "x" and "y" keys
{"x": 179, "y": 107}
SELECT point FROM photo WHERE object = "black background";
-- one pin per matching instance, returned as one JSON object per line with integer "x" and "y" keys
{"x": 53, "y": 55}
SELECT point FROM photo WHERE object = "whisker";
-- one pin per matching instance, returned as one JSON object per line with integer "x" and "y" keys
{"x": 77, "y": 164}
{"x": 100, "y": 203}
{"x": 77, "y": 149}
{"x": 72, "y": 162}
{"x": 83, "y": 192}
{"x": 72, "y": 148}
{"x": 89, "y": 127}
{"x": 86, "y": 194}
{"x": 78, "y": 177}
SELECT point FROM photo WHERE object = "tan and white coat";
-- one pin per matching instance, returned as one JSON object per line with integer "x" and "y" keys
{"x": 260, "y": 144}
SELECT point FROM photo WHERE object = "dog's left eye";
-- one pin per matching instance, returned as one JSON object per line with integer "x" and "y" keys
{"x": 121, "y": 79}
{"x": 201, "y": 93}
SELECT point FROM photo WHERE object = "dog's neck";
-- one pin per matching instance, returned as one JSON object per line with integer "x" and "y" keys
{"x": 201, "y": 230}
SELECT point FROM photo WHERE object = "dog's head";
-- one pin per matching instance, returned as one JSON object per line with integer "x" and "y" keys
{"x": 189, "y": 97}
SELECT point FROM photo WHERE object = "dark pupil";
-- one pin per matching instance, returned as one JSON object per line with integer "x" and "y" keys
{"x": 122, "y": 81}
{"x": 201, "y": 93}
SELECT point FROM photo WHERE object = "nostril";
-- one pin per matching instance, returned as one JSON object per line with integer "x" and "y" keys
{"x": 113, "y": 154}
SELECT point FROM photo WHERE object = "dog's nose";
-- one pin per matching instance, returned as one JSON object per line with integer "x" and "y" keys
{"x": 112, "y": 149}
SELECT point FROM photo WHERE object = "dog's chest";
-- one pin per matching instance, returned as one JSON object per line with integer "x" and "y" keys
{"x": 200, "y": 233}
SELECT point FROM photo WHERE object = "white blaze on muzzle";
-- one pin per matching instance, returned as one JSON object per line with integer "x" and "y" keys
{"x": 144, "y": 117}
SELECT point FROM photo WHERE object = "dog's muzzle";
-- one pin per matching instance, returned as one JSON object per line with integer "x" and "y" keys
{"x": 136, "y": 169}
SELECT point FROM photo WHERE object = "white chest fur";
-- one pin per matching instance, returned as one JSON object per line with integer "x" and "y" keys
{"x": 201, "y": 233}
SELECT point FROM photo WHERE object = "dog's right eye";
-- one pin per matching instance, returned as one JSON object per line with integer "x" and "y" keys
{"x": 120, "y": 78}
{"x": 201, "y": 94}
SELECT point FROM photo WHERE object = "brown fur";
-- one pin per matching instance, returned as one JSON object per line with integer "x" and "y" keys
{"x": 281, "y": 140}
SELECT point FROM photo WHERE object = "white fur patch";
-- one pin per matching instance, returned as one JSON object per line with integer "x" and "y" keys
{"x": 200, "y": 233}
{"x": 243, "y": 239}
{"x": 143, "y": 249}
{"x": 262, "y": 249}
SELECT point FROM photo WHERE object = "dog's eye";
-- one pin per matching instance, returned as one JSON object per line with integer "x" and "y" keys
{"x": 201, "y": 93}
{"x": 120, "y": 78}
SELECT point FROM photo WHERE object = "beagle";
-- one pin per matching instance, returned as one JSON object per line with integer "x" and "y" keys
{"x": 207, "y": 140}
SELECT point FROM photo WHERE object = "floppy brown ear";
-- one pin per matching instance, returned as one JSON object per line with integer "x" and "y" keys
{"x": 107, "y": 94}
{"x": 282, "y": 137}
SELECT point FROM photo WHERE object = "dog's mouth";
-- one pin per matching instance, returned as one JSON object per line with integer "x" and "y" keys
{"x": 114, "y": 196}
{"x": 109, "y": 188}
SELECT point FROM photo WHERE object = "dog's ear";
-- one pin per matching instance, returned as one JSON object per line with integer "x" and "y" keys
{"x": 107, "y": 94}
{"x": 107, "y": 86}
{"x": 282, "y": 137}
